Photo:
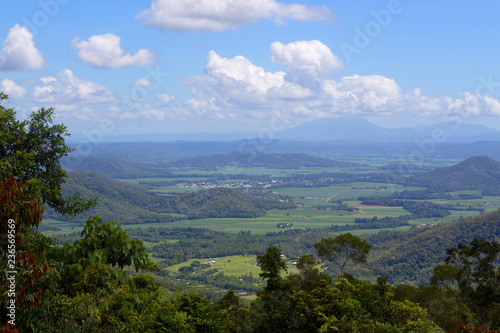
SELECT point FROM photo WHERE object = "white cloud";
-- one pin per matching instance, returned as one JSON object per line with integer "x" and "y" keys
{"x": 235, "y": 82}
{"x": 142, "y": 82}
{"x": 103, "y": 51}
{"x": 241, "y": 70}
{"x": 10, "y": 88}
{"x": 19, "y": 52}
{"x": 475, "y": 105}
{"x": 212, "y": 16}
{"x": 308, "y": 61}
{"x": 165, "y": 98}
{"x": 70, "y": 89}
{"x": 370, "y": 92}
{"x": 237, "y": 89}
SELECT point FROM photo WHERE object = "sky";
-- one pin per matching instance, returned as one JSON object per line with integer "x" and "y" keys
{"x": 221, "y": 66}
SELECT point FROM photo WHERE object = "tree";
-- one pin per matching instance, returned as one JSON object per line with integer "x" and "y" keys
{"x": 267, "y": 307}
{"x": 478, "y": 278}
{"x": 271, "y": 266}
{"x": 343, "y": 249}
{"x": 101, "y": 243}
{"x": 22, "y": 251}
{"x": 31, "y": 150}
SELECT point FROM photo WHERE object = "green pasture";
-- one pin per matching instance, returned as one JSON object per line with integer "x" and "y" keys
{"x": 455, "y": 215}
{"x": 313, "y": 192}
{"x": 66, "y": 227}
{"x": 300, "y": 218}
{"x": 372, "y": 211}
{"x": 313, "y": 195}
{"x": 232, "y": 265}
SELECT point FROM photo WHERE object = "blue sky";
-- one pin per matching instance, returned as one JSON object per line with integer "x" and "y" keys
{"x": 165, "y": 66}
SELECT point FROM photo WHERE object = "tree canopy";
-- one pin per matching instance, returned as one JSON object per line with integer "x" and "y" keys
{"x": 343, "y": 249}
{"x": 31, "y": 150}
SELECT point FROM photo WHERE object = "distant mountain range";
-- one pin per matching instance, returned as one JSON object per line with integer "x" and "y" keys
{"x": 360, "y": 129}
{"x": 333, "y": 129}
{"x": 145, "y": 157}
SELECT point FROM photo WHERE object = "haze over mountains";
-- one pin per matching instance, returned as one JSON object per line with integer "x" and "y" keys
{"x": 352, "y": 128}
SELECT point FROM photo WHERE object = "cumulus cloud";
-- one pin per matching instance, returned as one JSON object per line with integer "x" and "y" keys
{"x": 238, "y": 83}
{"x": 375, "y": 94}
{"x": 67, "y": 89}
{"x": 102, "y": 51}
{"x": 241, "y": 70}
{"x": 212, "y": 16}
{"x": 10, "y": 88}
{"x": 18, "y": 51}
{"x": 308, "y": 61}
{"x": 235, "y": 88}
{"x": 363, "y": 92}
{"x": 142, "y": 82}
{"x": 475, "y": 105}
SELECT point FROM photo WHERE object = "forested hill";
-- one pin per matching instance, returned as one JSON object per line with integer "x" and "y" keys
{"x": 475, "y": 173}
{"x": 128, "y": 203}
{"x": 251, "y": 158}
{"x": 224, "y": 202}
{"x": 118, "y": 201}
{"x": 411, "y": 256}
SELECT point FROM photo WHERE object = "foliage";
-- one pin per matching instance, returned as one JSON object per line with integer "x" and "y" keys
{"x": 411, "y": 256}
{"x": 31, "y": 150}
{"x": 22, "y": 251}
{"x": 101, "y": 243}
{"x": 343, "y": 249}
{"x": 272, "y": 265}
{"x": 308, "y": 302}
{"x": 478, "y": 277}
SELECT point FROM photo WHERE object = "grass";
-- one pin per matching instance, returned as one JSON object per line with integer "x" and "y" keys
{"x": 232, "y": 265}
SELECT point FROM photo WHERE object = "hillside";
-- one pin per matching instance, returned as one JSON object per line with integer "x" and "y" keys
{"x": 252, "y": 158}
{"x": 411, "y": 256}
{"x": 475, "y": 173}
{"x": 118, "y": 201}
{"x": 223, "y": 202}
{"x": 127, "y": 203}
